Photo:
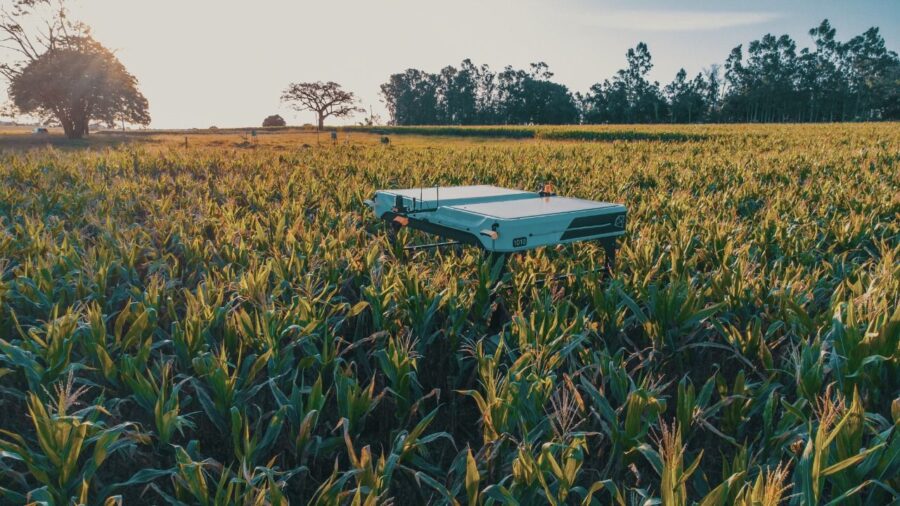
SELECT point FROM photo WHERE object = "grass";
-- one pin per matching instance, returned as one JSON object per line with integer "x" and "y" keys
{"x": 226, "y": 323}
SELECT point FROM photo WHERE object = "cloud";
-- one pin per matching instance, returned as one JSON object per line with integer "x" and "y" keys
{"x": 677, "y": 21}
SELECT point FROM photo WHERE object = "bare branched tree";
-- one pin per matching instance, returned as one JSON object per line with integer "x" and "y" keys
{"x": 30, "y": 28}
{"x": 326, "y": 99}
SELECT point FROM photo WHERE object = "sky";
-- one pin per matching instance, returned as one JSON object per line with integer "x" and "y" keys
{"x": 225, "y": 62}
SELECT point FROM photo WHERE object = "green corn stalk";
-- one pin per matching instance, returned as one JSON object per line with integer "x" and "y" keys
{"x": 607, "y": 306}
{"x": 373, "y": 477}
{"x": 189, "y": 479}
{"x": 44, "y": 352}
{"x": 167, "y": 409}
{"x": 672, "y": 313}
{"x": 252, "y": 449}
{"x": 495, "y": 410}
{"x": 833, "y": 450}
{"x": 137, "y": 339}
{"x": 668, "y": 462}
{"x": 267, "y": 333}
{"x": 769, "y": 489}
{"x": 473, "y": 479}
{"x": 628, "y": 425}
{"x": 564, "y": 471}
{"x": 259, "y": 486}
{"x": 354, "y": 401}
{"x": 380, "y": 296}
{"x": 809, "y": 368}
{"x": 686, "y": 407}
{"x": 752, "y": 342}
{"x": 613, "y": 370}
{"x": 511, "y": 402}
{"x": 736, "y": 402}
{"x": 204, "y": 318}
{"x": 302, "y": 409}
{"x": 861, "y": 354}
{"x": 62, "y": 439}
{"x": 220, "y": 385}
{"x": 415, "y": 304}
{"x": 158, "y": 397}
{"x": 95, "y": 344}
{"x": 725, "y": 493}
{"x": 398, "y": 361}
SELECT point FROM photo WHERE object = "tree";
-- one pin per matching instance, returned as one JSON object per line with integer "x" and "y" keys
{"x": 686, "y": 98}
{"x": 546, "y": 102}
{"x": 274, "y": 120}
{"x": 412, "y": 98}
{"x": 890, "y": 107}
{"x": 763, "y": 87}
{"x": 629, "y": 97}
{"x": 28, "y": 44}
{"x": 872, "y": 71}
{"x": 62, "y": 73}
{"x": 712, "y": 92}
{"x": 78, "y": 81}
{"x": 457, "y": 96}
{"x": 325, "y": 99}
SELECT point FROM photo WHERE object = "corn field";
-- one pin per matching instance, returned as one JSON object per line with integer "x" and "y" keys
{"x": 217, "y": 325}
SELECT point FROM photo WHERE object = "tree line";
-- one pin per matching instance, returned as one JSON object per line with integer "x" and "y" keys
{"x": 772, "y": 81}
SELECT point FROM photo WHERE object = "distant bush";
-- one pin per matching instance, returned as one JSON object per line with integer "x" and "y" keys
{"x": 274, "y": 120}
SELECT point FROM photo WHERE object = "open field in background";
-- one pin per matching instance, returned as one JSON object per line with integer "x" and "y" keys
{"x": 289, "y": 138}
{"x": 228, "y": 319}
{"x": 298, "y": 137}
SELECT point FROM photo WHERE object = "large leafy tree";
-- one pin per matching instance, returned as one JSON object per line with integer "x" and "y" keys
{"x": 687, "y": 98}
{"x": 644, "y": 97}
{"x": 629, "y": 97}
{"x": 531, "y": 97}
{"x": 62, "y": 74}
{"x": 458, "y": 95}
{"x": 412, "y": 98}
{"x": 872, "y": 75}
{"x": 77, "y": 82}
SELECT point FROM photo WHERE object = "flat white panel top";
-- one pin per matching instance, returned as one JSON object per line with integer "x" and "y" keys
{"x": 538, "y": 206}
{"x": 456, "y": 192}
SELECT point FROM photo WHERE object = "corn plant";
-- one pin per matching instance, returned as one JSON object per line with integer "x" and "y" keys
{"x": 221, "y": 385}
{"x": 398, "y": 361}
{"x": 354, "y": 401}
{"x": 44, "y": 353}
{"x": 158, "y": 397}
{"x": 668, "y": 462}
{"x": 63, "y": 436}
{"x": 628, "y": 425}
{"x": 834, "y": 454}
{"x": 302, "y": 410}
{"x": 769, "y": 489}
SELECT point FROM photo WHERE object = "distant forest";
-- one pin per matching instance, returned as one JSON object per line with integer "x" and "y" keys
{"x": 856, "y": 80}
